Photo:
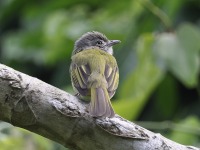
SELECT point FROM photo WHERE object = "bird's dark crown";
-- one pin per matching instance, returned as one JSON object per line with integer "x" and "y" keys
{"x": 89, "y": 39}
{"x": 93, "y": 35}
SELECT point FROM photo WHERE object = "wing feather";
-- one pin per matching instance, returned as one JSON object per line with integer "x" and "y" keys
{"x": 79, "y": 77}
{"x": 112, "y": 78}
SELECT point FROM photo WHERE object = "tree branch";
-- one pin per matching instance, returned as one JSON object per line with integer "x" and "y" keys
{"x": 31, "y": 104}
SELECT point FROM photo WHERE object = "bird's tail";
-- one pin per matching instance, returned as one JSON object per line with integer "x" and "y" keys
{"x": 100, "y": 105}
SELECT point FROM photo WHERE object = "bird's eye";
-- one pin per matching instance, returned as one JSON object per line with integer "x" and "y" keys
{"x": 99, "y": 42}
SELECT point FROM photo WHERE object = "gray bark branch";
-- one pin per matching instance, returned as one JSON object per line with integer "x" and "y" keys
{"x": 31, "y": 104}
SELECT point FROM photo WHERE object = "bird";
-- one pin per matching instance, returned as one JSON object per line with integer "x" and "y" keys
{"x": 94, "y": 72}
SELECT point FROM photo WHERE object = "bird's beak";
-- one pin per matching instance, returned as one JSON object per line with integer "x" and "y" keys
{"x": 112, "y": 42}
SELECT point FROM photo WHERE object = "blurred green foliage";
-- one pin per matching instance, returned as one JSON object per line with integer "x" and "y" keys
{"x": 159, "y": 57}
{"x": 183, "y": 133}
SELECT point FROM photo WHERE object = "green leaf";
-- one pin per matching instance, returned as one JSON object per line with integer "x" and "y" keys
{"x": 189, "y": 36}
{"x": 179, "y": 52}
{"x": 187, "y": 131}
{"x": 141, "y": 81}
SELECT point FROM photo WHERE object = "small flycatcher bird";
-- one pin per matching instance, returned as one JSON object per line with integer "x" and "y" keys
{"x": 94, "y": 72}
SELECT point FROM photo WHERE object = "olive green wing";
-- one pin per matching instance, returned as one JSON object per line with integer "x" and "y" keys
{"x": 79, "y": 77}
{"x": 112, "y": 78}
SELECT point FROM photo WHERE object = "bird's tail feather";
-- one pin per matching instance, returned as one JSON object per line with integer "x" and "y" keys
{"x": 100, "y": 105}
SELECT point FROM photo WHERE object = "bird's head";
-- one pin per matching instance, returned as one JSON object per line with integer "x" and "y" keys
{"x": 92, "y": 40}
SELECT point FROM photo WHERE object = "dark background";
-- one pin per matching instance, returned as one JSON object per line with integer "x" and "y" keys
{"x": 158, "y": 58}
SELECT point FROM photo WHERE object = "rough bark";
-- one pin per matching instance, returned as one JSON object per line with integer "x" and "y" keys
{"x": 31, "y": 104}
